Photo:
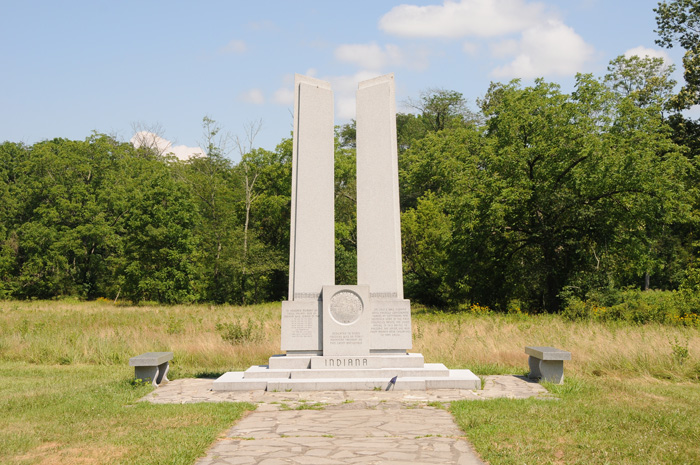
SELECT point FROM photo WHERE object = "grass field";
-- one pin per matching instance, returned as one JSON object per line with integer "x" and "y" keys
{"x": 631, "y": 396}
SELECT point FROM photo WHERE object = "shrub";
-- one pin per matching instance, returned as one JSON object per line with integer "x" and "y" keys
{"x": 239, "y": 333}
{"x": 636, "y": 306}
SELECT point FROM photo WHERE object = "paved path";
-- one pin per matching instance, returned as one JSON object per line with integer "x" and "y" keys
{"x": 385, "y": 435}
{"x": 344, "y": 427}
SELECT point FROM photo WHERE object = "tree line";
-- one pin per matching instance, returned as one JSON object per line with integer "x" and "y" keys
{"x": 101, "y": 218}
{"x": 536, "y": 197}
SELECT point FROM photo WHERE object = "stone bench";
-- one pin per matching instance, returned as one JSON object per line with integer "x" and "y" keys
{"x": 152, "y": 366}
{"x": 547, "y": 363}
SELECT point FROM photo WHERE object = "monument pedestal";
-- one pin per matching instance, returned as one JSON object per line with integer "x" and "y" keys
{"x": 344, "y": 373}
{"x": 360, "y": 344}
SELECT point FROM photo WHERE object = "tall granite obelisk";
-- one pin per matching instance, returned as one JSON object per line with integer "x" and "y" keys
{"x": 379, "y": 217}
{"x": 312, "y": 234}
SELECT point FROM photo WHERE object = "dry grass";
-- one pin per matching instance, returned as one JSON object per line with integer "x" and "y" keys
{"x": 104, "y": 334}
{"x": 45, "y": 332}
{"x": 495, "y": 343}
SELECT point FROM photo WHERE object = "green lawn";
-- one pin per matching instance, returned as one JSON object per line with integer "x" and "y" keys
{"x": 592, "y": 421}
{"x": 90, "y": 414}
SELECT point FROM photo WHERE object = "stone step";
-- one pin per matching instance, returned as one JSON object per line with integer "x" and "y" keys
{"x": 344, "y": 384}
{"x": 455, "y": 379}
{"x": 264, "y": 372}
{"x": 233, "y": 381}
{"x": 298, "y": 362}
{"x": 428, "y": 370}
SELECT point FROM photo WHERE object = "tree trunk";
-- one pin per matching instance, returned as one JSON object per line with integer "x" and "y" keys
{"x": 647, "y": 277}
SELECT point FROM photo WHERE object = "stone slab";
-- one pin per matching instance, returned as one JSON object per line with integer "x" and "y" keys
{"x": 457, "y": 379}
{"x": 234, "y": 381}
{"x": 289, "y": 362}
{"x": 262, "y": 371}
{"x": 547, "y": 353}
{"x": 150, "y": 359}
{"x": 410, "y": 360}
{"x": 347, "y": 316}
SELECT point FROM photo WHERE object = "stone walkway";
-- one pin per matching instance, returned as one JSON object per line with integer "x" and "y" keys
{"x": 344, "y": 427}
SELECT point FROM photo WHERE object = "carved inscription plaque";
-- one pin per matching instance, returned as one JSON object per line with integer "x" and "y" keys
{"x": 300, "y": 325}
{"x": 391, "y": 324}
{"x": 390, "y": 321}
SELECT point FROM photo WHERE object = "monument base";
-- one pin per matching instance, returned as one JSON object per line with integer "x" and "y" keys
{"x": 347, "y": 373}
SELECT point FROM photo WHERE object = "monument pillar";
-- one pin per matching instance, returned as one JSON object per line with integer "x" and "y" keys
{"x": 379, "y": 263}
{"x": 312, "y": 234}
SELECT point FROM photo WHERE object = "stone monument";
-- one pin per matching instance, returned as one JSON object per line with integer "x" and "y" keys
{"x": 345, "y": 337}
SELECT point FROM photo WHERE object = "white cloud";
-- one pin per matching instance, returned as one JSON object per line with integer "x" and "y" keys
{"x": 164, "y": 146}
{"x": 504, "y": 48}
{"x": 377, "y": 58}
{"x": 235, "y": 46}
{"x": 369, "y": 56}
{"x": 254, "y": 96}
{"x": 548, "y": 49}
{"x": 478, "y": 18}
{"x": 284, "y": 96}
{"x": 649, "y": 52}
{"x": 526, "y": 33}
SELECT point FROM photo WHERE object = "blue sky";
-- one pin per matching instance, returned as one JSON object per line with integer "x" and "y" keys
{"x": 70, "y": 67}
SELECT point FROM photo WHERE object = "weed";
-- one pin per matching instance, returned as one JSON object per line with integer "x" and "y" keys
{"x": 437, "y": 404}
{"x": 238, "y": 333}
{"x": 175, "y": 325}
{"x": 315, "y": 406}
{"x": 679, "y": 350}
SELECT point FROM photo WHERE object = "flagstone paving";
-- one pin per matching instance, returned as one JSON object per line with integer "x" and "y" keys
{"x": 386, "y": 434}
{"x": 344, "y": 427}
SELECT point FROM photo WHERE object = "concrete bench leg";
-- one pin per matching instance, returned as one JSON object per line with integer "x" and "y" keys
{"x": 156, "y": 375}
{"x": 534, "y": 367}
{"x": 552, "y": 371}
